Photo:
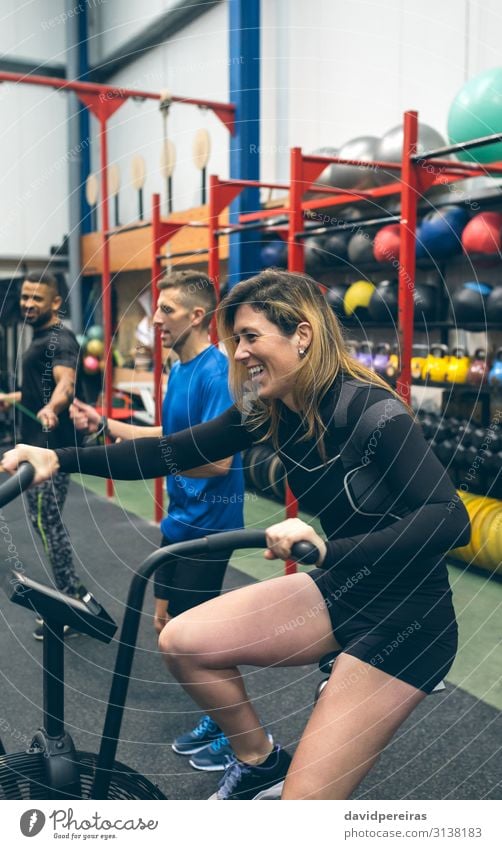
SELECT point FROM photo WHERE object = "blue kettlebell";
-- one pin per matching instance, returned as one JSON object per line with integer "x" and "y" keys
{"x": 495, "y": 375}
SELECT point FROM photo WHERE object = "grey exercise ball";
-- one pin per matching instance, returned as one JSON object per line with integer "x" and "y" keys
{"x": 324, "y": 178}
{"x": 390, "y": 148}
{"x": 354, "y": 176}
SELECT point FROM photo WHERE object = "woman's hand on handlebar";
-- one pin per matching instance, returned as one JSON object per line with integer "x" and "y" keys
{"x": 281, "y": 537}
{"x": 44, "y": 461}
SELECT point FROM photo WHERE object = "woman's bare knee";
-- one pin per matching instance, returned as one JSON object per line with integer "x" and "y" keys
{"x": 182, "y": 646}
{"x": 176, "y": 644}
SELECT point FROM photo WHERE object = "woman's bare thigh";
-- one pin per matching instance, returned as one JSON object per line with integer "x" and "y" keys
{"x": 280, "y": 622}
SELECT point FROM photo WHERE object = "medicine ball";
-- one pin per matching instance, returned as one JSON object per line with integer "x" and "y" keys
{"x": 316, "y": 259}
{"x": 494, "y": 305}
{"x": 357, "y": 298}
{"x": 335, "y": 296}
{"x": 383, "y": 304}
{"x": 386, "y": 243}
{"x": 425, "y": 296}
{"x": 483, "y": 234}
{"x": 468, "y": 303}
{"x": 95, "y": 332}
{"x": 274, "y": 254}
{"x": 360, "y": 248}
{"x": 439, "y": 234}
{"x": 335, "y": 247}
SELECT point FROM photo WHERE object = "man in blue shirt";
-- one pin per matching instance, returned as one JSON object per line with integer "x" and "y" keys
{"x": 206, "y": 500}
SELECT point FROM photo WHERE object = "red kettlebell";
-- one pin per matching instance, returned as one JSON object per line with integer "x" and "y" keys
{"x": 478, "y": 369}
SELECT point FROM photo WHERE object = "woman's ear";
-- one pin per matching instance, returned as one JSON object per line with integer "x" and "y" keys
{"x": 304, "y": 335}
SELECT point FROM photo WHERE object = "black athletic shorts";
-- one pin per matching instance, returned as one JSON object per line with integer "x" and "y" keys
{"x": 406, "y": 648}
{"x": 186, "y": 582}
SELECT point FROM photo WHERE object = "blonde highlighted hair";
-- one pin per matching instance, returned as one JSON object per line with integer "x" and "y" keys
{"x": 286, "y": 299}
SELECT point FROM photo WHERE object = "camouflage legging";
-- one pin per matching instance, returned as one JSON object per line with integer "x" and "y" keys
{"x": 46, "y": 503}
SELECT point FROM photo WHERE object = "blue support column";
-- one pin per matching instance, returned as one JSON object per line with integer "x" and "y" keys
{"x": 244, "y": 63}
{"x": 85, "y": 122}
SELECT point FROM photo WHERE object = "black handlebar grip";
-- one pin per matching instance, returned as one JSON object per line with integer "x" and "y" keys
{"x": 305, "y": 552}
{"x": 17, "y": 484}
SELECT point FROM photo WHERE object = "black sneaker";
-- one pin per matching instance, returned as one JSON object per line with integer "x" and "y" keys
{"x": 201, "y": 736}
{"x": 68, "y": 632}
{"x": 243, "y": 781}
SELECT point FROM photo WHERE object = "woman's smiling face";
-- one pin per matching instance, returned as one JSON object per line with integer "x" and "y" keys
{"x": 271, "y": 357}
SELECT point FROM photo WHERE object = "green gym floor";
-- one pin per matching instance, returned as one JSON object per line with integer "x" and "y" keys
{"x": 478, "y": 598}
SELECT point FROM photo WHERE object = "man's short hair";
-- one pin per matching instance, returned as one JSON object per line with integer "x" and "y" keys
{"x": 196, "y": 290}
{"x": 44, "y": 277}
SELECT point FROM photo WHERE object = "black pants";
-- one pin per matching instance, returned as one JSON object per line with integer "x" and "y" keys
{"x": 186, "y": 582}
{"x": 46, "y": 502}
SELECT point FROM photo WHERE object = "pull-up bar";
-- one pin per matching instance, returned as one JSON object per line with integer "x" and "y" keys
{"x": 224, "y": 111}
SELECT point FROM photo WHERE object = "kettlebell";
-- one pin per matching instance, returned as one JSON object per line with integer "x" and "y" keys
{"x": 381, "y": 358}
{"x": 458, "y": 366}
{"x": 478, "y": 369}
{"x": 495, "y": 375}
{"x": 436, "y": 363}
{"x": 419, "y": 355}
{"x": 365, "y": 354}
{"x": 392, "y": 367}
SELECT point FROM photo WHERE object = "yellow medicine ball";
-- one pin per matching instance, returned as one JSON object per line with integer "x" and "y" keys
{"x": 357, "y": 297}
{"x": 96, "y": 348}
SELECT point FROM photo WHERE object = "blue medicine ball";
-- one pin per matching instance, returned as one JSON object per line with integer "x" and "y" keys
{"x": 439, "y": 234}
{"x": 274, "y": 254}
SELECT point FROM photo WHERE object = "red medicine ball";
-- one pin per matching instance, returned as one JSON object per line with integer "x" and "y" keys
{"x": 386, "y": 244}
{"x": 483, "y": 234}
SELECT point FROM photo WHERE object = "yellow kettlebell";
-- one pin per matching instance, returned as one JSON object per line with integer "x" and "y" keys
{"x": 458, "y": 366}
{"x": 419, "y": 355}
{"x": 436, "y": 363}
{"x": 392, "y": 367}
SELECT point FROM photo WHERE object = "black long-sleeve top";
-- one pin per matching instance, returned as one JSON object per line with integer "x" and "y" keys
{"x": 383, "y": 498}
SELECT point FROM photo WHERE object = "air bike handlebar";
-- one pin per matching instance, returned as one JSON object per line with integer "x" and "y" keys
{"x": 303, "y": 552}
{"x": 229, "y": 541}
{"x": 17, "y": 484}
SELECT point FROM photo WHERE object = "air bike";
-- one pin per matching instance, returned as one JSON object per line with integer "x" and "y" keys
{"x": 52, "y": 768}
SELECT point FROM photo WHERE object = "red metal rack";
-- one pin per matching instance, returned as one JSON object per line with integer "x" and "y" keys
{"x": 415, "y": 174}
{"x": 103, "y": 101}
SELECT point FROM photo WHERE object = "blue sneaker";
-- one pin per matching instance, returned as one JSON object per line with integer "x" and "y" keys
{"x": 201, "y": 736}
{"x": 217, "y": 756}
{"x": 243, "y": 781}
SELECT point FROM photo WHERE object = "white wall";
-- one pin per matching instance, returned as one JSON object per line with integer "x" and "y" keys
{"x": 33, "y": 30}
{"x": 33, "y": 148}
{"x": 194, "y": 63}
{"x": 352, "y": 68}
{"x": 113, "y": 22}
{"x": 33, "y": 180}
